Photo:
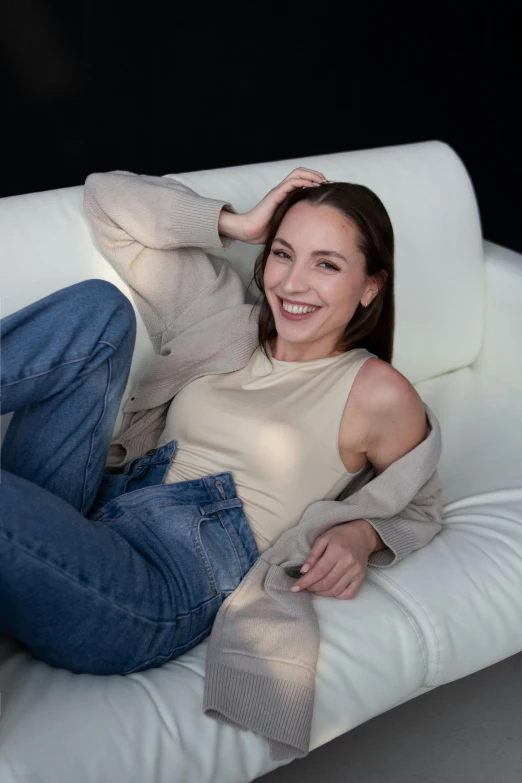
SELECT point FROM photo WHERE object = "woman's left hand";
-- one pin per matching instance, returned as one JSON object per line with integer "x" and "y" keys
{"x": 338, "y": 560}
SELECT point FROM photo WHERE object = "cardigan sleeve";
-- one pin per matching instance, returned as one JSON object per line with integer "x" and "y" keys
{"x": 152, "y": 230}
{"x": 413, "y": 528}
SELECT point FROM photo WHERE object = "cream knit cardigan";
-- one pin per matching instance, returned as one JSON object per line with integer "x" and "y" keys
{"x": 263, "y": 649}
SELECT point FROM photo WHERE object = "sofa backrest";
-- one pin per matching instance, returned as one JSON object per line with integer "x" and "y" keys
{"x": 46, "y": 244}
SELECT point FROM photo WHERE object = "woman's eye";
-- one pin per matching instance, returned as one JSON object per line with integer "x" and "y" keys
{"x": 327, "y": 264}
{"x": 332, "y": 266}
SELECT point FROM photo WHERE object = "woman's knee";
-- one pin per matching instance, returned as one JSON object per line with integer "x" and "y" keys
{"x": 103, "y": 296}
{"x": 98, "y": 290}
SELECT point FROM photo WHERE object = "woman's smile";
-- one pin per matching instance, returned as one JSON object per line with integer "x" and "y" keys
{"x": 290, "y": 316}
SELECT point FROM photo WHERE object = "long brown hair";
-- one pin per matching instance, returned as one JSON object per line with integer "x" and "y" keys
{"x": 371, "y": 327}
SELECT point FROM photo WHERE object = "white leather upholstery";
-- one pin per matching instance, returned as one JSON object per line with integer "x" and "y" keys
{"x": 448, "y": 610}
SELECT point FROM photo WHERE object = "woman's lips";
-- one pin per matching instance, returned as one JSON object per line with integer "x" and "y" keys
{"x": 292, "y": 316}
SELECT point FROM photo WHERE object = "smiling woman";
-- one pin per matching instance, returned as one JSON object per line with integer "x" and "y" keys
{"x": 330, "y": 291}
{"x": 330, "y": 247}
{"x": 249, "y": 423}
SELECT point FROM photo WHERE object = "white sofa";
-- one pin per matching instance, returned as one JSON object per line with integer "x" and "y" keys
{"x": 444, "y": 612}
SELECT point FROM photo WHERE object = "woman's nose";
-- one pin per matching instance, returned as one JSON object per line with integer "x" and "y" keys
{"x": 296, "y": 279}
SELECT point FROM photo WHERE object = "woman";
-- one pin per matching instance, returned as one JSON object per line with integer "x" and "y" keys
{"x": 120, "y": 570}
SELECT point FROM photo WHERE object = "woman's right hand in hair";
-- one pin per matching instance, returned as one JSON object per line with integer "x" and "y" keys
{"x": 252, "y": 227}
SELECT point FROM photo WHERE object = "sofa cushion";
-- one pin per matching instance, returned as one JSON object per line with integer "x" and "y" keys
{"x": 150, "y": 726}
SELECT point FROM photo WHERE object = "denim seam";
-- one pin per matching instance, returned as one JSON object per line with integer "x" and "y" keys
{"x": 162, "y": 658}
{"x": 196, "y": 537}
{"x": 195, "y": 639}
{"x": 99, "y": 595}
{"x": 51, "y": 369}
{"x": 174, "y": 653}
{"x": 224, "y": 526}
{"x": 130, "y": 478}
{"x": 199, "y": 549}
{"x": 91, "y": 446}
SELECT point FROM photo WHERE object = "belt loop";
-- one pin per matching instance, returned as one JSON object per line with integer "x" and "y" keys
{"x": 220, "y": 489}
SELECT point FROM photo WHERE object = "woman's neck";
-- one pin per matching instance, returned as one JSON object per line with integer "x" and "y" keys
{"x": 284, "y": 352}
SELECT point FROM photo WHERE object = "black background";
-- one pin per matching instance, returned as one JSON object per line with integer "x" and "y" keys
{"x": 160, "y": 88}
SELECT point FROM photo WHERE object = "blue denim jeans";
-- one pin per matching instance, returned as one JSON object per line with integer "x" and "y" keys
{"x": 101, "y": 573}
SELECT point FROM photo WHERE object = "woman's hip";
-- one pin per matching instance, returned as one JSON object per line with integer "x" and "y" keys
{"x": 196, "y": 532}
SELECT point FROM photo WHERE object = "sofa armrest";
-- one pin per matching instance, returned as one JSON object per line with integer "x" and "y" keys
{"x": 501, "y": 352}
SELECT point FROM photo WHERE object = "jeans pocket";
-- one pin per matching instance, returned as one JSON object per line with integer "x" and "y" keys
{"x": 198, "y": 527}
{"x": 218, "y": 553}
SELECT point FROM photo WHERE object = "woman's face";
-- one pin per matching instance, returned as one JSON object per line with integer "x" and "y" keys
{"x": 300, "y": 270}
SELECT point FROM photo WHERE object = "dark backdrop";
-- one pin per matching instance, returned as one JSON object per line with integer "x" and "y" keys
{"x": 94, "y": 85}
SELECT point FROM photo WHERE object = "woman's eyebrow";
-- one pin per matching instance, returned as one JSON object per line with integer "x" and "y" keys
{"x": 315, "y": 252}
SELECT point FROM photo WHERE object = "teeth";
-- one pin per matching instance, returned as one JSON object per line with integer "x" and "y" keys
{"x": 297, "y": 309}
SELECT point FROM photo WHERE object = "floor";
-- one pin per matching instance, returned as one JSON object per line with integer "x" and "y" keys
{"x": 469, "y": 731}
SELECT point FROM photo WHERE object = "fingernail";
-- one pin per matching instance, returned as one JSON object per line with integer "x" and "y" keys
{"x": 295, "y": 589}
{"x": 305, "y": 568}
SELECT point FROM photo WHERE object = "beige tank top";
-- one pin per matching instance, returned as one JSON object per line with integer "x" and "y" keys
{"x": 275, "y": 427}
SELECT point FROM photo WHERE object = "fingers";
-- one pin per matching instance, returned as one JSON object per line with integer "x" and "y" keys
{"x": 318, "y": 549}
{"x": 328, "y": 571}
{"x": 335, "y": 568}
{"x": 315, "y": 174}
{"x": 292, "y": 183}
{"x": 298, "y": 178}
{"x": 343, "y": 592}
{"x": 337, "y": 580}
{"x": 309, "y": 175}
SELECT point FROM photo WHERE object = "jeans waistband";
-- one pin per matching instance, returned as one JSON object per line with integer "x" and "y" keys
{"x": 212, "y": 489}
{"x": 163, "y": 454}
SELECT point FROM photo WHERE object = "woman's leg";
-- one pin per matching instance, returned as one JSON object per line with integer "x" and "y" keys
{"x": 65, "y": 366}
{"x": 74, "y": 591}
{"x": 135, "y": 586}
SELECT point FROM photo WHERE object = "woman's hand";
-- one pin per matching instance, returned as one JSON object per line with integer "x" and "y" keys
{"x": 338, "y": 560}
{"x": 251, "y": 227}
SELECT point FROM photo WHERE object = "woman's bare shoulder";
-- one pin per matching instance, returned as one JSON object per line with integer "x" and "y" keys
{"x": 379, "y": 380}
{"x": 375, "y": 382}
{"x": 390, "y": 415}
{"x": 397, "y": 415}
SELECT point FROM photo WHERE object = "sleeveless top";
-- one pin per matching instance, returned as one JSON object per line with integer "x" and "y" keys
{"x": 275, "y": 427}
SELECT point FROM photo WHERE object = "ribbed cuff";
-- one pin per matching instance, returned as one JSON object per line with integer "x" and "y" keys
{"x": 401, "y": 536}
{"x": 196, "y": 220}
{"x": 277, "y": 709}
{"x": 398, "y": 541}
